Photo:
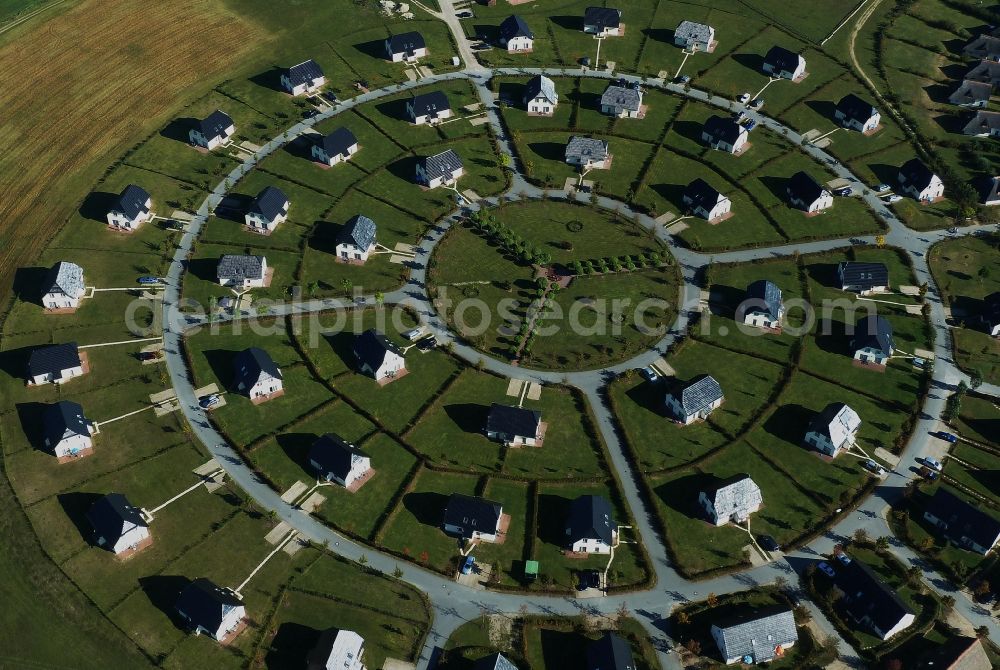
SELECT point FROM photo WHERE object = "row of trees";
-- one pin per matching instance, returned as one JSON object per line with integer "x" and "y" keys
{"x": 509, "y": 241}
{"x": 617, "y": 263}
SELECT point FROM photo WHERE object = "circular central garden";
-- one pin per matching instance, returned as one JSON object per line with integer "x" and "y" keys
{"x": 554, "y": 284}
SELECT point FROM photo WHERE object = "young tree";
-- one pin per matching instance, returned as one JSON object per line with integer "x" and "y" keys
{"x": 712, "y": 600}
{"x": 860, "y": 536}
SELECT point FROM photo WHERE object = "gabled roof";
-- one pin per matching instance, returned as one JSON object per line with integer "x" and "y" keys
{"x": 334, "y": 454}
{"x": 206, "y": 604}
{"x": 586, "y": 147}
{"x": 338, "y": 142}
{"x": 305, "y": 72}
{"x": 542, "y": 86}
{"x": 64, "y": 277}
{"x": 701, "y": 194}
{"x": 472, "y": 513}
{"x": 132, "y": 201}
{"x": 406, "y": 43}
{"x": 723, "y": 129}
{"x": 494, "y": 662}
{"x": 62, "y": 420}
{"x": 336, "y": 648}
{"x": 766, "y": 296}
{"x": 53, "y": 359}
{"x": 955, "y": 653}
{"x": 510, "y": 420}
{"x": 803, "y": 187}
{"x": 916, "y": 174}
{"x": 215, "y": 124}
{"x": 589, "y": 518}
{"x": 625, "y": 97}
{"x": 982, "y": 123}
{"x": 985, "y": 70}
{"x": 689, "y": 30}
{"x": 270, "y": 203}
{"x": 237, "y": 268}
{"x": 514, "y": 26}
{"x": 988, "y": 45}
{"x": 867, "y": 594}
{"x": 359, "y": 231}
{"x": 837, "y": 422}
{"x": 989, "y": 189}
{"x": 112, "y": 517}
{"x": 856, "y": 109}
{"x": 781, "y": 59}
{"x": 875, "y": 333}
{"x": 372, "y": 346}
{"x": 963, "y": 519}
{"x": 699, "y": 394}
{"x": 602, "y": 17}
{"x": 757, "y": 634}
{"x": 610, "y": 652}
{"x": 969, "y": 92}
{"x": 734, "y": 493}
{"x": 445, "y": 163}
{"x": 250, "y": 363}
{"x": 864, "y": 275}
{"x": 429, "y": 104}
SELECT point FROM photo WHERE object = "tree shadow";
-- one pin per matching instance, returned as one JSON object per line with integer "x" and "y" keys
{"x": 31, "y": 417}
{"x": 750, "y": 61}
{"x": 469, "y": 417}
{"x": 75, "y": 505}
{"x": 296, "y": 447}
{"x": 97, "y": 204}
{"x": 222, "y": 363}
{"x": 179, "y": 129}
{"x": 426, "y": 506}
{"x": 28, "y": 283}
{"x": 269, "y": 79}
{"x": 552, "y": 524}
{"x": 163, "y": 591}
{"x": 292, "y": 647}
{"x": 789, "y": 422}
{"x": 825, "y": 108}
{"x": 372, "y": 48}
{"x": 552, "y": 151}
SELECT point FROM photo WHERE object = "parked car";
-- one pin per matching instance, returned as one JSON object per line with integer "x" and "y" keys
{"x": 893, "y": 198}
{"x": 209, "y": 401}
{"x": 932, "y": 463}
{"x": 768, "y": 543}
{"x": 309, "y": 113}
{"x": 883, "y": 188}
{"x": 744, "y": 99}
{"x": 146, "y": 279}
{"x": 149, "y": 355}
{"x": 947, "y": 437}
{"x": 174, "y": 225}
{"x": 481, "y": 47}
{"x": 872, "y": 466}
{"x": 825, "y": 568}
{"x": 330, "y": 96}
{"x": 844, "y": 192}
{"x": 927, "y": 473}
{"x": 414, "y": 334}
{"x": 427, "y": 343}
{"x": 649, "y": 374}
{"x": 757, "y": 104}
{"x": 749, "y": 124}
{"x": 468, "y": 564}
{"x": 684, "y": 79}
{"x": 465, "y": 15}
{"x": 843, "y": 558}
{"x": 589, "y": 579}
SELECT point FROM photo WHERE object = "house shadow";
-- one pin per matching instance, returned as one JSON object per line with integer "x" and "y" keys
{"x": 824, "y": 274}
{"x": 163, "y": 591}
{"x": 777, "y": 186}
{"x": 551, "y": 151}
{"x": 681, "y": 494}
{"x": 951, "y": 123}
{"x": 342, "y": 343}
{"x": 222, "y": 363}
{"x": 724, "y": 300}
{"x": 204, "y": 268}
{"x": 789, "y": 422}
{"x": 563, "y": 648}
{"x": 488, "y": 33}
{"x": 939, "y": 93}
{"x": 568, "y": 21}
{"x": 97, "y": 204}
{"x": 988, "y": 478}
{"x": 30, "y": 416}
{"x": 665, "y": 35}
{"x": 512, "y": 93}
{"x": 301, "y": 146}
{"x": 835, "y": 337}
{"x": 753, "y": 62}
{"x": 234, "y": 206}
{"x": 179, "y": 129}
{"x": 824, "y": 108}
{"x": 28, "y": 283}
{"x": 469, "y": 417}
{"x": 886, "y": 174}
{"x": 373, "y": 48}
{"x": 405, "y": 168}
{"x": 296, "y": 447}
{"x": 672, "y": 193}
{"x": 394, "y": 109}
{"x": 551, "y": 525}
{"x": 75, "y": 505}
{"x": 324, "y": 236}
{"x": 989, "y": 429}
{"x": 426, "y": 506}
{"x": 589, "y": 100}
{"x": 14, "y": 362}
{"x": 291, "y": 646}
{"x": 649, "y": 396}
{"x": 690, "y": 130}
{"x": 270, "y": 79}
{"x": 954, "y": 71}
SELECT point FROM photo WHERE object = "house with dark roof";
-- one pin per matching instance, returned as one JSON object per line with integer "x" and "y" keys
{"x": 516, "y": 35}
{"x": 603, "y": 21}
{"x": 66, "y": 431}
{"x": 267, "y": 210}
{"x": 334, "y": 147}
{"x": 443, "y": 168}
{"x": 610, "y": 652}
{"x": 378, "y": 357}
{"x": 405, "y": 47}
{"x": 990, "y": 314}
{"x": 731, "y": 500}
{"x": 211, "y": 610}
{"x": 588, "y": 153}
{"x": 694, "y": 36}
{"x": 917, "y": 181}
{"x": 872, "y": 342}
{"x": 961, "y": 523}
{"x": 54, "y": 364}
{"x": 703, "y": 200}
{"x": 725, "y": 134}
{"x": 857, "y": 114}
{"x": 983, "y": 124}
{"x": 971, "y": 94}
{"x": 590, "y": 526}
{"x": 356, "y": 240}
{"x": 337, "y": 460}
{"x": 762, "y": 307}
{"x": 757, "y": 637}
{"x": 805, "y": 193}
{"x": 241, "y": 271}
{"x": 473, "y": 518}
{"x": 432, "y": 107}
{"x": 834, "y": 429}
{"x": 956, "y": 653}
{"x": 63, "y": 287}
{"x": 494, "y": 662}
{"x": 212, "y": 131}
{"x": 694, "y": 400}
{"x": 257, "y": 376}
{"x": 623, "y": 102}
{"x": 337, "y": 649}
{"x": 869, "y": 601}
{"x": 515, "y": 426}
{"x": 540, "y": 96}
{"x": 989, "y": 191}
{"x": 118, "y": 526}
{"x": 985, "y": 46}
{"x": 863, "y": 278}
{"x": 780, "y": 63}
{"x": 985, "y": 71}
{"x": 306, "y": 77}
{"x": 131, "y": 209}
